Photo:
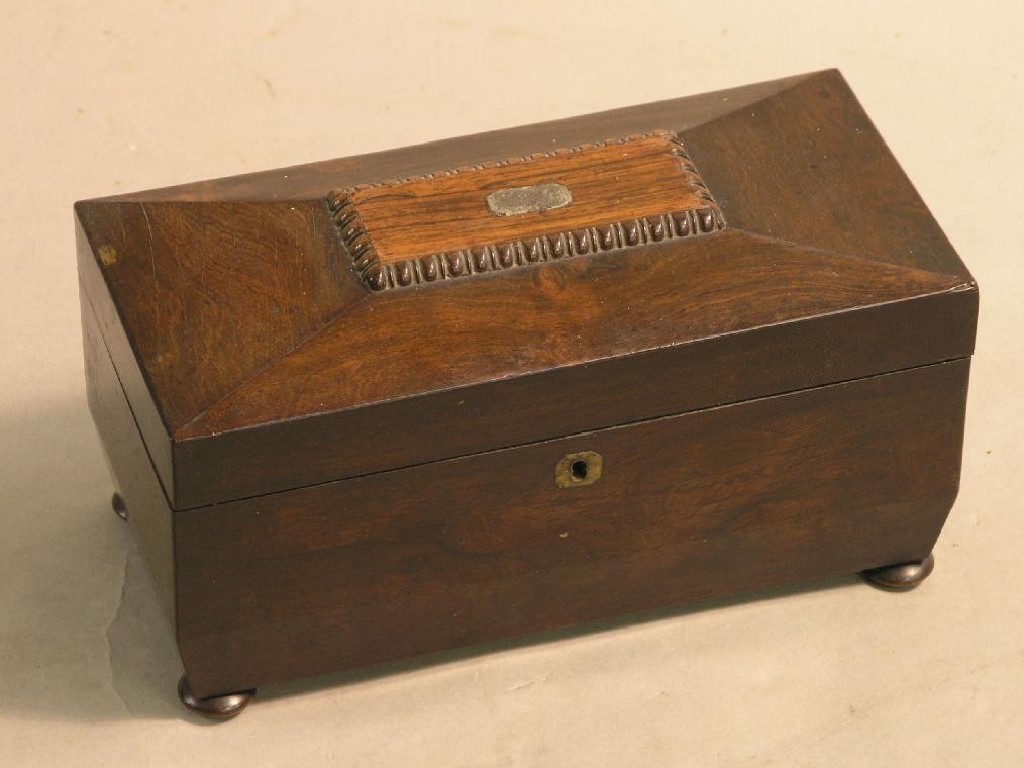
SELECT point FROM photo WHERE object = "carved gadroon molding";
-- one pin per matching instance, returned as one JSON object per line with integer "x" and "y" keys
{"x": 383, "y": 270}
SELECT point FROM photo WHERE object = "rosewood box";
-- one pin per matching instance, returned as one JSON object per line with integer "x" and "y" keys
{"x": 435, "y": 397}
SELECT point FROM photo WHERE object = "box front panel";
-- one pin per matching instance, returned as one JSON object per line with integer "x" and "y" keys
{"x": 456, "y": 553}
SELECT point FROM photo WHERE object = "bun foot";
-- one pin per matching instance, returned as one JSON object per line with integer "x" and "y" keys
{"x": 120, "y": 508}
{"x": 222, "y": 707}
{"x": 902, "y": 576}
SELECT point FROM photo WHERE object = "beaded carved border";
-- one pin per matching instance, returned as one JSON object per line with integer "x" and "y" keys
{"x": 380, "y": 275}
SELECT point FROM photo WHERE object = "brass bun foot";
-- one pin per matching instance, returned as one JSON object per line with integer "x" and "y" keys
{"x": 120, "y": 508}
{"x": 222, "y": 707}
{"x": 902, "y": 576}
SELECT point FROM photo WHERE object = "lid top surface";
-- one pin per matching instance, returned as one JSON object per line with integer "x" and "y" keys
{"x": 326, "y": 287}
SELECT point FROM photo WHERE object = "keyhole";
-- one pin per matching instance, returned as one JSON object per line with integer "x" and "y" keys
{"x": 578, "y": 470}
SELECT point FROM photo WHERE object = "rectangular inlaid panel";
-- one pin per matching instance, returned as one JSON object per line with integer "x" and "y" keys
{"x": 568, "y": 202}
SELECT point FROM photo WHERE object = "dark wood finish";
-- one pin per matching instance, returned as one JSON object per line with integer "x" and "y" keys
{"x": 209, "y": 294}
{"x": 822, "y": 177}
{"x": 221, "y": 707}
{"x": 803, "y": 486}
{"x": 616, "y": 390}
{"x": 106, "y": 323}
{"x": 323, "y": 475}
{"x": 620, "y": 193}
{"x": 133, "y": 473}
{"x": 251, "y": 329}
{"x": 761, "y": 131}
{"x": 902, "y": 576}
{"x": 559, "y": 312}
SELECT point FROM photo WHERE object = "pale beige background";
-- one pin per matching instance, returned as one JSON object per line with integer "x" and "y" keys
{"x": 103, "y": 97}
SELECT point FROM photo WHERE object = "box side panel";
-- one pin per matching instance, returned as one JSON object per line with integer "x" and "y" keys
{"x": 744, "y": 497}
{"x": 107, "y": 325}
{"x": 133, "y": 473}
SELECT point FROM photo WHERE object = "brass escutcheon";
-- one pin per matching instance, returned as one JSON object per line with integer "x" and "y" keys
{"x": 578, "y": 469}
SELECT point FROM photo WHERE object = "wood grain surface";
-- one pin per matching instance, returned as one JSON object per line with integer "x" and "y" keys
{"x": 208, "y": 294}
{"x": 325, "y": 475}
{"x": 210, "y": 308}
{"x": 239, "y": 324}
{"x": 135, "y": 478}
{"x": 537, "y": 333}
{"x": 749, "y": 496}
{"x": 622, "y": 193}
{"x": 610, "y": 182}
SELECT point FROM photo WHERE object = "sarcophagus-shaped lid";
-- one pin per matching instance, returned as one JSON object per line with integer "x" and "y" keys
{"x": 359, "y": 315}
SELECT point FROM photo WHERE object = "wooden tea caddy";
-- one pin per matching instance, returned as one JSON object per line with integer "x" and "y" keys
{"x": 435, "y": 397}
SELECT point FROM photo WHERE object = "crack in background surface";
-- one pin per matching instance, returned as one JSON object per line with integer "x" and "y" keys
{"x": 144, "y": 664}
{"x": 117, "y": 616}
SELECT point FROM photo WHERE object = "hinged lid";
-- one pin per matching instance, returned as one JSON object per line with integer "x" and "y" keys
{"x": 353, "y": 316}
